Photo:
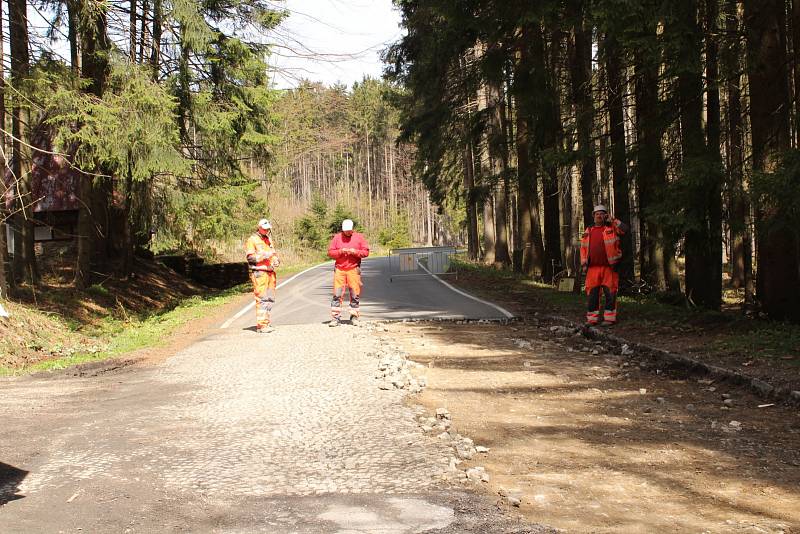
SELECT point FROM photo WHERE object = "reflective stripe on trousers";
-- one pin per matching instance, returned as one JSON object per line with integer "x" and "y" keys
{"x": 264, "y": 291}
{"x": 346, "y": 280}
{"x": 593, "y": 305}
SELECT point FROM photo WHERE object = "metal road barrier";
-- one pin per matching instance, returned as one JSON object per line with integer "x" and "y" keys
{"x": 420, "y": 261}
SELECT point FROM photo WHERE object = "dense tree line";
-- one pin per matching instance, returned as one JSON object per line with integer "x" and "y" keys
{"x": 340, "y": 144}
{"x": 683, "y": 116}
{"x": 157, "y": 109}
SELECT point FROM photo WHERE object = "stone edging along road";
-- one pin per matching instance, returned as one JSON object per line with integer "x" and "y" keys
{"x": 680, "y": 361}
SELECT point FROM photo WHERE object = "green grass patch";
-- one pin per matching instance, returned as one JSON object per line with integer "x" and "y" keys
{"x": 646, "y": 308}
{"x": 113, "y": 336}
{"x": 119, "y": 332}
{"x": 98, "y": 290}
{"x": 763, "y": 340}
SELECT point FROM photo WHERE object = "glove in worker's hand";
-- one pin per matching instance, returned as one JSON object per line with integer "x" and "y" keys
{"x": 276, "y": 261}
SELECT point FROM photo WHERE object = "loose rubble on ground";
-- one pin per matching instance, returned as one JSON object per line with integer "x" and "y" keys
{"x": 394, "y": 372}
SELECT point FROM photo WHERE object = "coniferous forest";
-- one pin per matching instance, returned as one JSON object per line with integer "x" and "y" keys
{"x": 498, "y": 126}
{"x": 683, "y": 117}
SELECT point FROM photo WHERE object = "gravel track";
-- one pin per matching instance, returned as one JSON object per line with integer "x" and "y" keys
{"x": 241, "y": 432}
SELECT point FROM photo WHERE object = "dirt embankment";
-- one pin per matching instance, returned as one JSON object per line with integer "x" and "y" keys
{"x": 54, "y": 319}
{"x": 598, "y": 442}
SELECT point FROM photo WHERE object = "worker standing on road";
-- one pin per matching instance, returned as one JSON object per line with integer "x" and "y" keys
{"x": 262, "y": 259}
{"x": 601, "y": 252}
{"x": 348, "y": 248}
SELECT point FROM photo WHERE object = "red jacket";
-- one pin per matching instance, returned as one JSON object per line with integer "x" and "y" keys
{"x": 348, "y": 261}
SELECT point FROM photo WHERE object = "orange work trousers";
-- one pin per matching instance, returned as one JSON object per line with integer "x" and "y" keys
{"x": 342, "y": 280}
{"x": 601, "y": 278}
{"x": 264, "y": 284}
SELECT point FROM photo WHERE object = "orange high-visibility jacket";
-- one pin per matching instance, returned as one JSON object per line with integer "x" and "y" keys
{"x": 259, "y": 253}
{"x": 613, "y": 245}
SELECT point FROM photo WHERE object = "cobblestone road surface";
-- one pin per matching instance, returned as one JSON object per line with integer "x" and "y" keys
{"x": 286, "y": 432}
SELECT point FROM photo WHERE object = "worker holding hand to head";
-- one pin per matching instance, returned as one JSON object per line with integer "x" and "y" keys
{"x": 348, "y": 248}
{"x": 601, "y": 253}
{"x": 262, "y": 259}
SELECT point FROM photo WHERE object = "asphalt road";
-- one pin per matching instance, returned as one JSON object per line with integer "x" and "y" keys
{"x": 305, "y": 299}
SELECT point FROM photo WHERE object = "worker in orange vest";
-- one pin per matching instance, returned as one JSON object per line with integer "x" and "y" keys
{"x": 601, "y": 252}
{"x": 348, "y": 248}
{"x": 262, "y": 259}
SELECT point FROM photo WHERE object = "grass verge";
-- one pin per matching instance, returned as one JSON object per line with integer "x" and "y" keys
{"x": 67, "y": 327}
{"x": 114, "y": 336}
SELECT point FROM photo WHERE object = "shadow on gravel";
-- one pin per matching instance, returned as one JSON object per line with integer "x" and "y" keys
{"x": 566, "y": 419}
{"x": 10, "y": 479}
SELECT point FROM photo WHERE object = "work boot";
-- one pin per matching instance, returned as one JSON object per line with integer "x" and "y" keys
{"x": 266, "y": 329}
{"x": 607, "y": 323}
{"x": 334, "y": 322}
{"x": 354, "y": 320}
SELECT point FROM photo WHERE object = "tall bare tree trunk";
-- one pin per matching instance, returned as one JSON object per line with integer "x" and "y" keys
{"x": 155, "y": 51}
{"x": 739, "y": 221}
{"x": 549, "y": 135}
{"x": 132, "y": 32}
{"x": 484, "y": 174}
{"x": 700, "y": 176}
{"x": 778, "y": 282}
{"x": 392, "y": 194}
{"x": 651, "y": 170}
{"x": 429, "y": 218}
{"x": 6, "y": 276}
{"x": 581, "y": 74}
{"x": 795, "y": 18}
{"x": 473, "y": 246}
{"x": 525, "y": 173}
{"x": 713, "y": 188}
{"x": 619, "y": 157}
{"x": 497, "y": 152}
{"x": 73, "y": 35}
{"x": 21, "y": 163}
{"x": 488, "y": 230}
{"x": 144, "y": 34}
{"x": 4, "y": 286}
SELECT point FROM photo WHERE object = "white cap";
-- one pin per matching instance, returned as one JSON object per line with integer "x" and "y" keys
{"x": 599, "y": 207}
{"x": 347, "y": 225}
{"x": 264, "y": 224}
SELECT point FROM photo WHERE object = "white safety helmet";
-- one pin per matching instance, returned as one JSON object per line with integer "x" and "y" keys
{"x": 347, "y": 225}
{"x": 599, "y": 207}
{"x": 264, "y": 224}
